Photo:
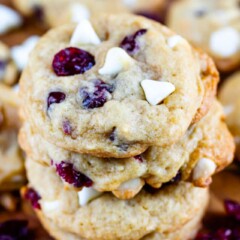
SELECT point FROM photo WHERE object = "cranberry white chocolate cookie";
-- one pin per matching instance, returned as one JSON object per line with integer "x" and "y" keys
{"x": 72, "y": 212}
{"x": 58, "y": 12}
{"x": 8, "y": 69}
{"x": 11, "y": 159}
{"x": 91, "y": 89}
{"x": 230, "y": 98}
{"x": 213, "y": 25}
{"x": 187, "y": 231}
{"x": 206, "y": 148}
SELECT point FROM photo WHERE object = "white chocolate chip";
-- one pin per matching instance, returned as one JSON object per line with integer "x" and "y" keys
{"x": 86, "y": 195}
{"x": 16, "y": 88}
{"x": 130, "y": 3}
{"x": 21, "y": 52}
{"x": 174, "y": 41}
{"x": 49, "y": 206}
{"x": 84, "y": 34}
{"x": 225, "y": 42}
{"x": 116, "y": 61}
{"x": 129, "y": 188}
{"x": 204, "y": 169}
{"x": 156, "y": 91}
{"x": 9, "y": 19}
{"x": 228, "y": 109}
{"x": 79, "y": 12}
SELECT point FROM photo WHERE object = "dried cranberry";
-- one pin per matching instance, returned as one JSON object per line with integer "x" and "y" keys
{"x": 118, "y": 143}
{"x": 38, "y": 13}
{"x": 67, "y": 172}
{"x": 232, "y": 208}
{"x": 71, "y": 61}
{"x": 139, "y": 158}
{"x": 33, "y": 197}
{"x": 98, "y": 96}
{"x": 55, "y": 97}
{"x": 14, "y": 230}
{"x": 67, "y": 128}
{"x": 129, "y": 43}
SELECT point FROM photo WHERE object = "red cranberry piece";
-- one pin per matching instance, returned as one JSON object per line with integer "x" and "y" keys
{"x": 33, "y": 197}
{"x": 71, "y": 61}
{"x": 67, "y": 128}
{"x": 232, "y": 208}
{"x": 55, "y": 97}
{"x": 67, "y": 172}
{"x": 14, "y": 230}
{"x": 204, "y": 236}
{"x": 98, "y": 97}
{"x": 38, "y": 13}
{"x": 118, "y": 143}
{"x": 129, "y": 43}
{"x": 139, "y": 158}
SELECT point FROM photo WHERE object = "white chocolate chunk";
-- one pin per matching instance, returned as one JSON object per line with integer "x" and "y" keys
{"x": 130, "y": 3}
{"x": 21, "y": 52}
{"x": 9, "y": 19}
{"x": 49, "y": 206}
{"x": 116, "y": 61}
{"x": 174, "y": 41}
{"x": 225, "y": 42}
{"x": 84, "y": 34}
{"x": 79, "y": 12}
{"x": 16, "y": 88}
{"x": 204, "y": 169}
{"x": 228, "y": 109}
{"x": 86, "y": 195}
{"x": 156, "y": 91}
{"x": 129, "y": 189}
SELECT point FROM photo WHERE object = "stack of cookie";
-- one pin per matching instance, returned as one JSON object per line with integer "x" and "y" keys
{"x": 122, "y": 131}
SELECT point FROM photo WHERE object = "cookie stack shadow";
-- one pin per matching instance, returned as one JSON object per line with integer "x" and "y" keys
{"x": 109, "y": 155}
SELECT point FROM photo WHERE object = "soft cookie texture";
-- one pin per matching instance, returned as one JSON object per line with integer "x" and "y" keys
{"x": 8, "y": 69}
{"x": 187, "y": 231}
{"x": 221, "y": 37}
{"x": 206, "y": 148}
{"x": 229, "y": 97}
{"x": 73, "y": 98}
{"x": 11, "y": 159}
{"x": 77, "y": 10}
{"x": 146, "y": 214}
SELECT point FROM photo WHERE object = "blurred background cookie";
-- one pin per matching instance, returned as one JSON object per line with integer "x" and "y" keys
{"x": 213, "y": 25}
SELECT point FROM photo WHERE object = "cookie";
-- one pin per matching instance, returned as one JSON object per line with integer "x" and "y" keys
{"x": 76, "y": 10}
{"x": 189, "y": 18}
{"x": 11, "y": 159}
{"x": 229, "y": 97}
{"x": 186, "y": 232}
{"x": 112, "y": 218}
{"x": 108, "y": 93}
{"x": 206, "y": 148}
{"x": 8, "y": 69}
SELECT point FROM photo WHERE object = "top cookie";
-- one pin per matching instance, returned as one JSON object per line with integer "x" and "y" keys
{"x": 112, "y": 93}
{"x": 221, "y": 37}
{"x": 76, "y": 10}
